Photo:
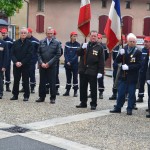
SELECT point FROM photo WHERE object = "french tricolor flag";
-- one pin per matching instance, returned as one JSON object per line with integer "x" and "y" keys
{"x": 113, "y": 25}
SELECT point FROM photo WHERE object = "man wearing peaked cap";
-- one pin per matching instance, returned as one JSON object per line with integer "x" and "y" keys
{"x": 71, "y": 63}
{"x": 143, "y": 70}
{"x": 9, "y": 42}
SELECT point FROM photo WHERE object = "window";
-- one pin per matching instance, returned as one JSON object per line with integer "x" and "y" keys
{"x": 104, "y": 3}
{"x": 146, "y": 30}
{"x": 148, "y": 6}
{"x": 41, "y": 5}
{"x": 40, "y": 24}
{"x": 127, "y": 25}
{"x": 128, "y": 4}
{"x": 102, "y": 23}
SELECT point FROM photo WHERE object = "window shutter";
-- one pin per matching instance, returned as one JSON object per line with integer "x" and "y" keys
{"x": 127, "y": 25}
{"x": 40, "y": 24}
{"x": 102, "y": 23}
{"x": 146, "y": 30}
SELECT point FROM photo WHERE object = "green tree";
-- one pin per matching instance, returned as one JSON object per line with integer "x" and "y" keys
{"x": 9, "y": 7}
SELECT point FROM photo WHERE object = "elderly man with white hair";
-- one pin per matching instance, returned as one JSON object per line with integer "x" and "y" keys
{"x": 130, "y": 57}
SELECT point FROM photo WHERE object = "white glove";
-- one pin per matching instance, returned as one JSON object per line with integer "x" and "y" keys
{"x": 122, "y": 51}
{"x": 125, "y": 67}
{"x": 99, "y": 75}
{"x": 84, "y": 46}
{"x": 148, "y": 82}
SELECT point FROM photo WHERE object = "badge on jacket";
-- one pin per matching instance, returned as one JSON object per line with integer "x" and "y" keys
{"x": 132, "y": 59}
{"x": 95, "y": 52}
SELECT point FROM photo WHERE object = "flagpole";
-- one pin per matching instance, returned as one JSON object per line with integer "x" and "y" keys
{"x": 85, "y": 54}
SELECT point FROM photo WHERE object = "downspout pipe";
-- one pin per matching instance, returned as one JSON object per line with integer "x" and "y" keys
{"x": 27, "y": 13}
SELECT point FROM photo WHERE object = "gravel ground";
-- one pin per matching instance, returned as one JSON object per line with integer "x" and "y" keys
{"x": 112, "y": 132}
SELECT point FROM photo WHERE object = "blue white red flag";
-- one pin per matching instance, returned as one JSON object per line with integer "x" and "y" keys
{"x": 113, "y": 25}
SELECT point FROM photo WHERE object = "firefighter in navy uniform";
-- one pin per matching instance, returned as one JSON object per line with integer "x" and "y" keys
{"x": 101, "y": 80}
{"x": 115, "y": 68}
{"x": 71, "y": 63}
{"x": 9, "y": 42}
{"x": 91, "y": 67}
{"x": 130, "y": 57}
{"x": 35, "y": 44}
{"x": 143, "y": 70}
{"x": 3, "y": 62}
{"x": 147, "y": 43}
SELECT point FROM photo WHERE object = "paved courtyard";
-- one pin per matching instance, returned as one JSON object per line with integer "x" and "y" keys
{"x": 44, "y": 126}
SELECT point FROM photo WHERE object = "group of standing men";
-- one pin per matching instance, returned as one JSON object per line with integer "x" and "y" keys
{"x": 27, "y": 50}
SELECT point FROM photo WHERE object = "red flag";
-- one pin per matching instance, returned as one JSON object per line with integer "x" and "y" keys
{"x": 113, "y": 25}
{"x": 84, "y": 17}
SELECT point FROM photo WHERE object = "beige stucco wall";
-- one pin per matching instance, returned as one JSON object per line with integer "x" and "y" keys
{"x": 63, "y": 16}
{"x": 20, "y": 19}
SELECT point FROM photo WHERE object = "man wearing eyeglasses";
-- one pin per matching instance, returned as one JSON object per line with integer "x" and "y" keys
{"x": 21, "y": 57}
{"x": 130, "y": 57}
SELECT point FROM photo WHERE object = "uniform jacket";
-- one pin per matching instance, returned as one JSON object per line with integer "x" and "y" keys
{"x": 49, "y": 53}
{"x": 35, "y": 44}
{"x": 114, "y": 55}
{"x": 22, "y": 51}
{"x": 145, "y": 59}
{"x": 3, "y": 54}
{"x": 106, "y": 54}
{"x": 133, "y": 60}
{"x": 9, "y": 42}
{"x": 91, "y": 59}
{"x": 70, "y": 53}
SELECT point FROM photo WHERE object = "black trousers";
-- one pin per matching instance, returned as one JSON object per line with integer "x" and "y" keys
{"x": 1, "y": 83}
{"x": 148, "y": 97}
{"x": 18, "y": 72}
{"x": 49, "y": 75}
{"x": 84, "y": 80}
{"x": 7, "y": 74}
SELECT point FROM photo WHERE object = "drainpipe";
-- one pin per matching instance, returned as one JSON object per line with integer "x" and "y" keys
{"x": 27, "y": 12}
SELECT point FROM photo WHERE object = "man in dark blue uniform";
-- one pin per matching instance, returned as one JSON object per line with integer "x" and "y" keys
{"x": 3, "y": 62}
{"x": 71, "y": 63}
{"x": 35, "y": 44}
{"x": 143, "y": 70}
{"x": 130, "y": 57}
{"x": 147, "y": 43}
{"x": 9, "y": 42}
{"x": 115, "y": 68}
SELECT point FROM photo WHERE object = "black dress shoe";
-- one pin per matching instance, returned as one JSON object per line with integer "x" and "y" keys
{"x": 75, "y": 94}
{"x": 14, "y": 98}
{"x": 22, "y": 90}
{"x": 129, "y": 112}
{"x": 148, "y": 116}
{"x": 1, "y": 96}
{"x": 139, "y": 100}
{"x": 52, "y": 101}
{"x": 40, "y": 100}
{"x": 113, "y": 97}
{"x": 115, "y": 110}
{"x": 101, "y": 95}
{"x": 32, "y": 91}
{"x": 66, "y": 93}
{"x": 25, "y": 99}
{"x": 93, "y": 107}
{"x": 147, "y": 110}
{"x": 81, "y": 106}
{"x": 8, "y": 89}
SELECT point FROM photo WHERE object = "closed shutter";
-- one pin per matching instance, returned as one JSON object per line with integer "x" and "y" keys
{"x": 102, "y": 23}
{"x": 40, "y": 24}
{"x": 146, "y": 30}
{"x": 127, "y": 25}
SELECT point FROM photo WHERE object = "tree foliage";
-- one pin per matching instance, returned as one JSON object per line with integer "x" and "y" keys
{"x": 9, "y": 7}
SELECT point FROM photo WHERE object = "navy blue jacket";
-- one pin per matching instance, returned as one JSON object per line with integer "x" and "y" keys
{"x": 145, "y": 59}
{"x": 133, "y": 60}
{"x": 3, "y": 54}
{"x": 70, "y": 53}
{"x": 22, "y": 51}
{"x": 9, "y": 42}
{"x": 35, "y": 44}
